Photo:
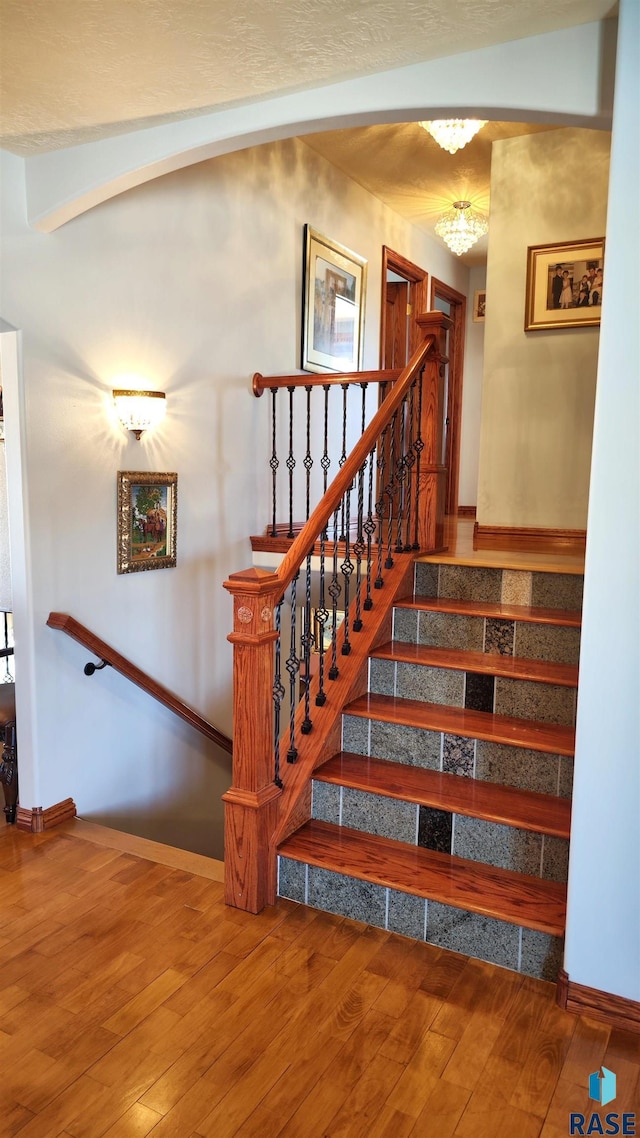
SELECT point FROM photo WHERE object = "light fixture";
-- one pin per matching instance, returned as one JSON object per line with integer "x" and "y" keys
{"x": 461, "y": 227}
{"x": 453, "y": 134}
{"x": 139, "y": 410}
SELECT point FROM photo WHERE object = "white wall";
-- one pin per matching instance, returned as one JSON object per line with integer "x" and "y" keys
{"x": 472, "y": 395}
{"x": 603, "y": 922}
{"x": 193, "y": 282}
{"x": 539, "y": 387}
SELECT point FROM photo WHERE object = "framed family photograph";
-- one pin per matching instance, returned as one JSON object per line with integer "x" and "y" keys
{"x": 334, "y": 290}
{"x": 479, "y": 305}
{"x": 564, "y": 284}
{"x": 147, "y": 517}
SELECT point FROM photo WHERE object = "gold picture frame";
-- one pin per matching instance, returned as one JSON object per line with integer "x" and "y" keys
{"x": 147, "y": 520}
{"x": 564, "y": 285}
{"x": 333, "y": 299}
{"x": 479, "y": 305}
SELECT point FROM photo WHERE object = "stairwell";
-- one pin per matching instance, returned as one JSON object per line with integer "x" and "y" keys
{"x": 446, "y": 815}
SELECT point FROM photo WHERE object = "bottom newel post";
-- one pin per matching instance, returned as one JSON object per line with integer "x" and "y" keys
{"x": 251, "y": 803}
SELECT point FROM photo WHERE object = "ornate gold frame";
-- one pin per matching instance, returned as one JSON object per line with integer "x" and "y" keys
{"x": 539, "y": 315}
{"x": 147, "y": 558}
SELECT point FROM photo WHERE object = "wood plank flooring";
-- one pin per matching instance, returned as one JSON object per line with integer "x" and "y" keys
{"x": 134, "y": 1003}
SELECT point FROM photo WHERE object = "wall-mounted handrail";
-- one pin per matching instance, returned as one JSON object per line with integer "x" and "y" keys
{"x": 108, "y": 655}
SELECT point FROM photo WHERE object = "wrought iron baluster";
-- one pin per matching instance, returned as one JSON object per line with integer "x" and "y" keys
{"x": 380, "y": 465}
{"x": 325, "y": 461}
{"x": 306, "y": 641}
{"x": 418, "y": 447}
{"x": 278, "y": 696}
{"x": 401, "y": 474}
{"x": 389, "y": 489}
{"x": 410, "y": 460}
{"x": 291, "y": 462}
{"x": 293, "y": 667}
{"x": 346, "y": 568}
{"x": 369, "y": 528}
{"x": 322, "y": 616}
{"x": 308, "y": 461}
{"x": 273, "y": 461}
{"x": 359, "y": 546}
{"x": 335, "y": 590}
{"x": 343, "y": 456}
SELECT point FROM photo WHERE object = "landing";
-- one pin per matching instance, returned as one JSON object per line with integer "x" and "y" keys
{"x": 460, "y": 551}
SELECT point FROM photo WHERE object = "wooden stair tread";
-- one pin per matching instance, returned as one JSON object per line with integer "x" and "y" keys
{"x": 552, "y": 738}
{"x": 508, "y": 896}
{"x": 524, "y": 809}
{"x": 488, "y": 663}
{"x": 571, "y": 618}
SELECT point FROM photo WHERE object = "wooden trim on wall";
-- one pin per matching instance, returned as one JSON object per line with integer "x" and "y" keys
{"x": 454, "y": 400}
{"x": 598, "y": 1005}
{"x": 466, "y": 511}
{"x": 418, "y": 293}
{"x": 35, "y": 820}
{"x": 571, "y": 541}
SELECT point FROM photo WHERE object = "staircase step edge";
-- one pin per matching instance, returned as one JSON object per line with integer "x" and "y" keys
{"x": 486, "y": 663}
{"x": 531, "y": 614}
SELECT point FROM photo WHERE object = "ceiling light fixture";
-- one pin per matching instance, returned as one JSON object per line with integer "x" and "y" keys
{"x": 461, "y": 227}
{"x": 453, "y": 134}
{"x": 139, "y": 410}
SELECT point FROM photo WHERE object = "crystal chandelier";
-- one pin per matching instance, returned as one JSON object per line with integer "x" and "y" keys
{"x": 453, "y": 134}
{"x": 461, "y": 227}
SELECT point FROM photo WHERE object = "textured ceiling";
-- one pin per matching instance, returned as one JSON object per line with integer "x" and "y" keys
{"x": 76, "y": 70}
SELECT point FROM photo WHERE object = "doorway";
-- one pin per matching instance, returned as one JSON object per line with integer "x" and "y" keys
{"x": 404, "y": 296}
{"x": 454, "y": 305}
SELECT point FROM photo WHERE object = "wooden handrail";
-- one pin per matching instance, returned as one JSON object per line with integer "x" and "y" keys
{"x": 77, "y": 631}
{"x": 306, "y": 539}
{"x": 312, "y": 379}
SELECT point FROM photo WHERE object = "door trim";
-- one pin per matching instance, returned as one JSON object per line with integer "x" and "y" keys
{"x": 454, "y": 401}
{"x": 418, "y": 295}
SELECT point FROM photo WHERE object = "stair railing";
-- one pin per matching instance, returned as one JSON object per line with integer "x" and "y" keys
{"x": 387, "y": 499}
{"x": 109, "y": 656}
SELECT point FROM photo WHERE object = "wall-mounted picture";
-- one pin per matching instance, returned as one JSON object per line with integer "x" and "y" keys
{"x": 147, "y": 517}
{"x": 564, "y": 284}
{"x": 479, "y": 305}
{"x": 323, "y": 634}
{"x": 334, "y": 290}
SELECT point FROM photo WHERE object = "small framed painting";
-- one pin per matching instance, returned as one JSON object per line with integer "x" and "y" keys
{"x": 564, "y": 284}
{"x": 479, "y": 305}
{"x": 147, "y": 520}
{"x": 334, "y": 290}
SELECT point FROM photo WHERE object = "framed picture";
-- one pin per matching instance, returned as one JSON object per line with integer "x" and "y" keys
{"x": 564, "y": 284}
{"x": 147, "y": 516}
{"x": 479, "y": 305}
{"x": 334, "y": 289}
{"x": 324, "y": 633}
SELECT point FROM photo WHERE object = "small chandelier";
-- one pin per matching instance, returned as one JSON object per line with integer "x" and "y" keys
{"x": 453, "y": 134}
{"x": 139, "y": 410}
{"x": 461, "y": 227}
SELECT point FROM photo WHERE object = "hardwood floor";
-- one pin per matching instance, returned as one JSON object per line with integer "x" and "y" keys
{"x": 458, "y": 536}
{"x": 133, "y": 1002}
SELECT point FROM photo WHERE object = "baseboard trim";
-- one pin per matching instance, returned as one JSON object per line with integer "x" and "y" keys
{"x": 571, "y": 541}
{"x": 35, "y": 820}
{"x": 616, "y": 1010}
{"x": 466, "y": 511}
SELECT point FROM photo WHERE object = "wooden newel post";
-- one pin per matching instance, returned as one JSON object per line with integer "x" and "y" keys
{"x": 433, "y": 471}
{"x": 251, "y": 801}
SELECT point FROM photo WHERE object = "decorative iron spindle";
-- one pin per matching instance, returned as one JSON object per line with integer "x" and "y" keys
{"x": 278, "y": 696}
{"x": 380, "y": 465}
{"x": 308, "y": 461}
{"x": 390, "y": 488}
{"x": 325, "y": 461}
{"x": 335, "y": 590}
{"x": 410, "y": 461}
{"x": 346, "y": 568}
{"x": 273, "y": 461}
{"x": 359, "y": 546}
{"x": 401, "y": 475}
{"x": 293, "y": 667}
{"x": 369, "y": 528}
{"x": 291, "y": 462}
{"x": 322, "y": 616}
{"x": 418, "y": 447}
{"x": 343, "y": 456}
{"x": 306, "y": 641}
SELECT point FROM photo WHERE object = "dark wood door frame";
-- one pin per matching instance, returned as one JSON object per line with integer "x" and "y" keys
{"x": 458, "y": 304}
{"x": 418, "y": 296}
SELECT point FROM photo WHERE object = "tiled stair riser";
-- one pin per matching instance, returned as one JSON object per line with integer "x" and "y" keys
{"x": 507, "y": 847}
{"x": 521, "y": 949}
{"x": 522, "y": 699}
{"x": 493, "y": 762}
{"x": 554, "y": 643}
{"x": 500, "y": 586}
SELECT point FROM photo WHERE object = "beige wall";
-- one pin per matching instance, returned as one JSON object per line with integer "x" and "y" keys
{"x": 538, "y": 387}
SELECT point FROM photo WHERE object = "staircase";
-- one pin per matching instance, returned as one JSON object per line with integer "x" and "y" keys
{"x": 446, "y": 815}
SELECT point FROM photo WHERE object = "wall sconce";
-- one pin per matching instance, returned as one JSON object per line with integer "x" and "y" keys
{"x": 139, "y": 410}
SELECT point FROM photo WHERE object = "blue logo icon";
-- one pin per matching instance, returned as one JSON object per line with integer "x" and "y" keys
{"x": 602, "y": 1086}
